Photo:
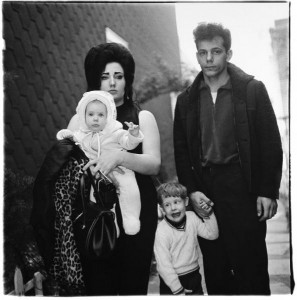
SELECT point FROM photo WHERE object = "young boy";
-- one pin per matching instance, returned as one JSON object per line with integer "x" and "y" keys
{"x": 99, "y": 131}
{"x": 176, "y": 242}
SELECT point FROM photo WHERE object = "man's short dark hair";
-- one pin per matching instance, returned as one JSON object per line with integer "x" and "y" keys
{"x": 207, "y": 31}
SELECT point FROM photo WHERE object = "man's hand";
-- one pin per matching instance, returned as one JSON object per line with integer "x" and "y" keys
{"x": 266, "y": 208}
{"x": 201, "y": 204}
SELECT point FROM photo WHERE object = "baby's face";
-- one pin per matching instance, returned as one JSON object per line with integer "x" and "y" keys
{"x": 96, "y": 116}
{"x": 174, "y": 208}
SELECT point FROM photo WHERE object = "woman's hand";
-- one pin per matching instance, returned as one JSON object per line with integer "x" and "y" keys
{"x": 107, "y": 162}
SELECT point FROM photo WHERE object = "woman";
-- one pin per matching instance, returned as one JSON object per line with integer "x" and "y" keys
{"x": 110, "y": 67}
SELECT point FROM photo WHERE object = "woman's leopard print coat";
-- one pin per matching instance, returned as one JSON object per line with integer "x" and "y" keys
{"x": 66, "y": 267}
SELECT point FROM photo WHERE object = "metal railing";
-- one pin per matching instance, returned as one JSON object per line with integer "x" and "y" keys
{"x": 20, "y": 288}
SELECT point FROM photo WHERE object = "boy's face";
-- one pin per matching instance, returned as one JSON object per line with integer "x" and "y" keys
{"x": 96, "y": 116}
{"x": 174, "y": 208}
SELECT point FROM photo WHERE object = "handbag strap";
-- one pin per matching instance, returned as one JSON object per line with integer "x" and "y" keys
{"x": 95, "y": 187}
{"x": 98, "y": 199}
{"x": 83, "y": 194}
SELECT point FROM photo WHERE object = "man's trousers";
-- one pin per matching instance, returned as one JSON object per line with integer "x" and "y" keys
{"x": 236, "y": 263}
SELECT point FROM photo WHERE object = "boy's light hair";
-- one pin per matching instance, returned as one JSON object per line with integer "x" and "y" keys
{"x": 171, "y": 189}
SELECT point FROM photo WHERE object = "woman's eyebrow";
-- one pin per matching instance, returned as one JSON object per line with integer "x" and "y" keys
{"x": 114, "y": 72}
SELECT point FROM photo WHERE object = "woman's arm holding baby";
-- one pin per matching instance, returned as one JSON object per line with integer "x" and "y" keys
{"x": 147, "y": 163}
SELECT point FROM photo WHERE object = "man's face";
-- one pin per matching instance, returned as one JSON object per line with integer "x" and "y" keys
{"x": 213, "y": 57}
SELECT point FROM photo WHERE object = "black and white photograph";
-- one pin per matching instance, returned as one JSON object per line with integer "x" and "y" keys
{"x": 147, "y": 148}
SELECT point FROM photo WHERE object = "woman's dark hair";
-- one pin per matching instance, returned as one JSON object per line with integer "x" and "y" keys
{"x": 99, "y": 56}
{"x": 207, "y": 31}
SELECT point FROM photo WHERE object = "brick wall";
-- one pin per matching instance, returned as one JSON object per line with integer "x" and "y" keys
{"x": 45, "y": 47}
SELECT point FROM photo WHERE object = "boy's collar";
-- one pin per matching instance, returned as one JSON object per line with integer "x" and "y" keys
{"x": 178, "y": 225}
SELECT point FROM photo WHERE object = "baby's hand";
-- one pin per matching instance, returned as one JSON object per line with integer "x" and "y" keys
{"x": 133, "y": 129}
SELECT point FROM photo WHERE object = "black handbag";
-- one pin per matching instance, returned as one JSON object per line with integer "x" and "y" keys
{"x": 94, "y": 228}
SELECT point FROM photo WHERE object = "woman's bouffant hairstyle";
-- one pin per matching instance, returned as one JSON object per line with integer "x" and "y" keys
{"x": 99, "y": 56}
{"x": 171, "y": 189}
{"x": 207, "y": 31}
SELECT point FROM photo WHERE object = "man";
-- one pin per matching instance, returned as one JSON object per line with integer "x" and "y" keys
{"x": 228, "y": 151}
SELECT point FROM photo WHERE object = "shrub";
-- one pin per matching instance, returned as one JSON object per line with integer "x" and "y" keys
{"x": 20, "y": 248}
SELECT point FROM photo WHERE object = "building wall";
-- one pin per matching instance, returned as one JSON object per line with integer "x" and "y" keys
{"x": 45, "y": 47}
{"x": 280, "y": 45}
{"x": 162, "y": 110}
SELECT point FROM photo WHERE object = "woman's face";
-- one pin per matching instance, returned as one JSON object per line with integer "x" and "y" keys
{"x": 113, "y": 81}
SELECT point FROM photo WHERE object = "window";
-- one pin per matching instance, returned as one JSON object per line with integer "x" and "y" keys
{"x": 112, "y": 37}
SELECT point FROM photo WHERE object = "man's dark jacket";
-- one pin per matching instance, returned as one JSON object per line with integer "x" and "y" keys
{"x": 257, "y": 135}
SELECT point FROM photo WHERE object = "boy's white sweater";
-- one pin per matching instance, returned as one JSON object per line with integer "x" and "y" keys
{"x": 176, "y": 250}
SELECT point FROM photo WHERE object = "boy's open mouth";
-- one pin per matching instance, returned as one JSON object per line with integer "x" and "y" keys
{"x": 176, "y": 215}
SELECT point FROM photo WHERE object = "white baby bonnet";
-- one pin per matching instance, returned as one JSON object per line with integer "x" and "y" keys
{"x": 105, "y": 97}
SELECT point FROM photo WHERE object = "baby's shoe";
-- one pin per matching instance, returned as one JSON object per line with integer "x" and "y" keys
{"x": 131, "y": 225}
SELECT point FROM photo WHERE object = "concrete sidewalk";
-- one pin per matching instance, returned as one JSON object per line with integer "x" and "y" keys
{"x": 278, "y": 248}
{"x": 278, "y": 243}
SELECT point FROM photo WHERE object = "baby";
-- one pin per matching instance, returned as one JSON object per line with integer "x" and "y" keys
{"x": 99, "y": 131}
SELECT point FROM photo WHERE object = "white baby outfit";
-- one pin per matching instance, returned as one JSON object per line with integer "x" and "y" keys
{"x": 112, "y": 137}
